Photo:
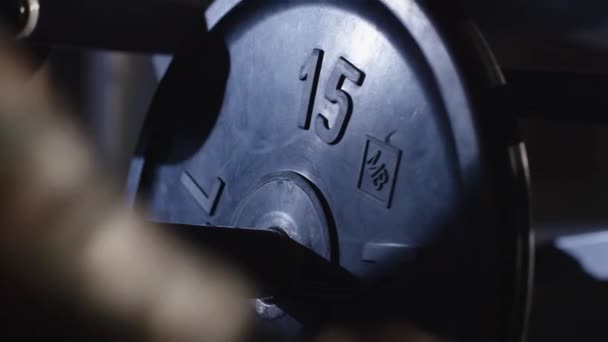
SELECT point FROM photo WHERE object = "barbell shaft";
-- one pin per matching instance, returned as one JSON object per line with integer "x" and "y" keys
{"x": 278, "y": 264}
{"x": 129, "y": 25}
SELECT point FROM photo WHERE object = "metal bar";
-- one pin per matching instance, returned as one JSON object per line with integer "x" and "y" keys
{"x": 128, "y": 25}
{"x": 280, "y": 265}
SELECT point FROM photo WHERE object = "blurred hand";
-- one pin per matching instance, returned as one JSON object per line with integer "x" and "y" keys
{"x": 65, "y": 233}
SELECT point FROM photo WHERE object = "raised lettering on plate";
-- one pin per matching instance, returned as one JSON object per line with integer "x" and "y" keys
{"x": 342, "y": 71}
{"x": 379, "y": 170}
{"x": 335, "y": 94}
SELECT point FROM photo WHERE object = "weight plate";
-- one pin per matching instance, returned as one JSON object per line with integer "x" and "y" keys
{"x": 351, "y": 127}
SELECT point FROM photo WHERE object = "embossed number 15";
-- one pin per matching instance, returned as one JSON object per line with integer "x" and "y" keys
{"x": 334, "y": 93}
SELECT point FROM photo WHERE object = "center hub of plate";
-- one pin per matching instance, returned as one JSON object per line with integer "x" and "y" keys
{"x": 289, "y": 203}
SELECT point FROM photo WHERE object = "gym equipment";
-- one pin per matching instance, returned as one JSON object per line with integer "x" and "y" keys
{"x": 351, "y": 155}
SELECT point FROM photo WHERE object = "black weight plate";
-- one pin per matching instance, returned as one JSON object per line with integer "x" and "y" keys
{"x": 353, "y": 117}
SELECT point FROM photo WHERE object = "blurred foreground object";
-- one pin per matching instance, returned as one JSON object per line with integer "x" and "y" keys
{"x": 66, "y": 234}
